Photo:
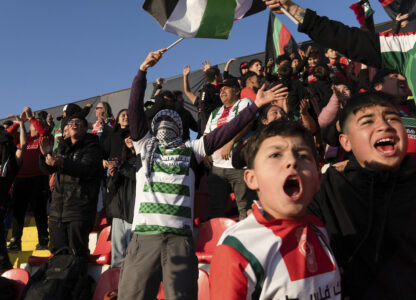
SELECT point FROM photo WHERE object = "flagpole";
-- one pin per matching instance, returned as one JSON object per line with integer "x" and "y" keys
{"x": 289, "y": 15}
{"x": 173, "y": 44}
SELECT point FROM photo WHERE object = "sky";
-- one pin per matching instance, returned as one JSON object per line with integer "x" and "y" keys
{"x": 56, "y": 52}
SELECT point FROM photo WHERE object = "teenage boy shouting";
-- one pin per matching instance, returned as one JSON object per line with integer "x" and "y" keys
{"x": 368, "y": 204}
{"x": 277, "y": 252}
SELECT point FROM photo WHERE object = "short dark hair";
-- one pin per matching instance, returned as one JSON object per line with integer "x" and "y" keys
{"x": 364, "y": 100}
{"x": 211, "y": 73}
{"x": 285, "y": 71}
{"x": 380, "y": 75}
{"x": 168, "y": 94}
{"x": 253, "y": 61}
{"x": 314, "y": 52}
{"x": 282, "y": 128}
{"x": 321, "y": 72}
{"x": 264, "y": 110}
{"x": 247, "y": 76}
{"x": 282, "y": 58}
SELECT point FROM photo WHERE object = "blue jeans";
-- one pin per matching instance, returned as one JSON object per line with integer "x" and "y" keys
{"x": 120, "y": 238}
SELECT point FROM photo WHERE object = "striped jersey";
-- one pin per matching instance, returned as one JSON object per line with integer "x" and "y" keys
{"x": 274, "y": 259}
{"x": 219, "y": 117}
{"x": 164, "y": 203}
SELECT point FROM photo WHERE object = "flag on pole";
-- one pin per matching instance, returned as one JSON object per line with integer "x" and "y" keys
{"x": 364, "y": 14}
{"x": 201, "y": 18}
{"x": 394, "y": 7}
{"x": 279, "y": 40}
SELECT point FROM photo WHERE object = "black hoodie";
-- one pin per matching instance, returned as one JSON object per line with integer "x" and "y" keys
{"x": 371, "y": 219}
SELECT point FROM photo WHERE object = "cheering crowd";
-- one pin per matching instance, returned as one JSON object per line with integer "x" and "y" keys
{"x": 315, "y": 153}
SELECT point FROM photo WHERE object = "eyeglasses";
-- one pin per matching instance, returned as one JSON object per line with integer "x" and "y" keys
{"x": 74, "y": 122}
{"x": 99, "y": 107}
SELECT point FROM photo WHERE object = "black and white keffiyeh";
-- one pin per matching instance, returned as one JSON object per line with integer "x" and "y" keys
{"x": 164, "y": 133}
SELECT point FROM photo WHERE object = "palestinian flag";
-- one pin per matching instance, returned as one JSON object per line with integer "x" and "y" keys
{"x": 364, "y": 14}
{"x": 394, "y": 7}
{"x": 279, "y": 40}
{"x": 201, "y": 18}
{"x": 397, "y": 53}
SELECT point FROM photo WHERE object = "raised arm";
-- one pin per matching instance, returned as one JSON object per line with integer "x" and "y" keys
{"x": 354, "y": 43}
{"x": 191, "y": 96}
{"x": 137, "y": 119}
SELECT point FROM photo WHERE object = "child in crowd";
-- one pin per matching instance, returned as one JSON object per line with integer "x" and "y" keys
{"x": 278, "y": 252}
{"x": 368, "y": 203}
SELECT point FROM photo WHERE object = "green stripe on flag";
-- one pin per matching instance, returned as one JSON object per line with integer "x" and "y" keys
{"x": 217, "y": 20}
{"x": 165, "y": 209}
{"x": 255, "y": 264}
{"x": 176, "y": 151}
{"x": 277, "y": 26}
{"x": 177, "y": 170}
{"x": 153, "y": 229}
{"x": 167, "y": 188}
{"x": 409, "y": 122}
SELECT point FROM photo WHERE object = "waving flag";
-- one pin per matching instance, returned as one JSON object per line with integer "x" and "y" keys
{"x": 394, "y": 7}
{"x": 279, "y": 40}
{"x": 201, "y": 18}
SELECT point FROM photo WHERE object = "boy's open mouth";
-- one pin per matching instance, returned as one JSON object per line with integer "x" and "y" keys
{"x": 386, "y": 146}
{"x": 292, "y": 187}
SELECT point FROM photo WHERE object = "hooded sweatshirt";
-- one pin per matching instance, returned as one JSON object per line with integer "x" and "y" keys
{"x": 371, "y": 219}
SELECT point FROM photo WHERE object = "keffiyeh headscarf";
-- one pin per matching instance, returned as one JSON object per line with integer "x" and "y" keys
{"x": 164, "y": 133}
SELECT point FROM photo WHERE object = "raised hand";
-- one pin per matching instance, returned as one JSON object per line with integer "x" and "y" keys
{"x": 403, "y": 19}
{"x": 46, "y": 145}
{"x": 17, "y": 119}
{"x": 152, "y": 59}
{"x": 28, "y": 111}
{"x": 276, "y": 93}
{"x": 206, "y": 65}
{"x": 274, "y": 5}
{"x": 186, "y": 70}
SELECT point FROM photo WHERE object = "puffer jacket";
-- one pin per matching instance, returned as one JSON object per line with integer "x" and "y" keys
{"x": 77, "y": 183}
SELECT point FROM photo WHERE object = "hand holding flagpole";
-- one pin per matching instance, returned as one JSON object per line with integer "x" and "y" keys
{"x": 153, "y": 57}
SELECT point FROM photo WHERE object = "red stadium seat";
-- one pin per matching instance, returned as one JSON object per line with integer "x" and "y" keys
{"x": 102, "y": 251}
{"x": 203, "y": 287}
{"x": 208, "y": 236}
{"x": 107, "y": 282}
{"x": 20, "y": 278}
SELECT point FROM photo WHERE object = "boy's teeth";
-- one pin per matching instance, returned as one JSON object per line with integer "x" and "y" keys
{"x": 385, "y": 140}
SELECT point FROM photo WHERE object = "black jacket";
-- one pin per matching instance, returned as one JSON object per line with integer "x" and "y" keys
{"x": 121, "y": 191}
{"x": 77, "y": 183}
{"x": 371, "y": 219}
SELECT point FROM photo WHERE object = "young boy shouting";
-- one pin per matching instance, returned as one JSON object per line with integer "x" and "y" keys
{"x": 368, "y": 204}
{"x": 278, "y": 252}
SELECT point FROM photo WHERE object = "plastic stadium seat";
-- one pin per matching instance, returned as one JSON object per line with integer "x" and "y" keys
{"x": 208, "y": 236}
{"x": 102, "y": 251}
{"x": 20, "y": 278}
{"x": 203, "y": 287}
{"x": 107, "y": 282}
